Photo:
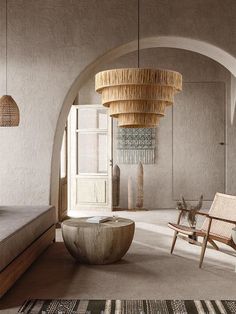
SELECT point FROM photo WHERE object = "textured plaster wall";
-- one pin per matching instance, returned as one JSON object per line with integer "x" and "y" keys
{"x": 49, "y": 44}
{"x": 158, "y": 186}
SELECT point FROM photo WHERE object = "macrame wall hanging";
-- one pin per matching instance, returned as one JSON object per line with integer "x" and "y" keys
{"x": 135, "y": 145}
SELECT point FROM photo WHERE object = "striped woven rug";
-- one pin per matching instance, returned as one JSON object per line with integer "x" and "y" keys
{"x": 128, "y": 306}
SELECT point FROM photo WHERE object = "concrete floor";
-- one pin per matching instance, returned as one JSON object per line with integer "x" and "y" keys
{"x": 148, "y": 271}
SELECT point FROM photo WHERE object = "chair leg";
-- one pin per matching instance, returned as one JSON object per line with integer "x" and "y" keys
{"x": 215, "y": 246}
{"x": 204, "y": 244}
{"x": 173, "y": 242}
{"x": 176, "y": 233}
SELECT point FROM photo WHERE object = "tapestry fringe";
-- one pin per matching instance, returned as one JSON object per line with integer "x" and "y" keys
{"x": 134, "y": 156}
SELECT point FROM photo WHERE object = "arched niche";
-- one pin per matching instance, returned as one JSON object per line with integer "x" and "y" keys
{"x": 217, "y": 54}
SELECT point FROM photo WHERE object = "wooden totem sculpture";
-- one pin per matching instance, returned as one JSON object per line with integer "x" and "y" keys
{"x": 139, "y": 192}
{"x": 130, "y": 194}
{"x": 116, "y": 186}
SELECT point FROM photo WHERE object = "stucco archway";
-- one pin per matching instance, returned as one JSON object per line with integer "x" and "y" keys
{"x": 201, "y": 47}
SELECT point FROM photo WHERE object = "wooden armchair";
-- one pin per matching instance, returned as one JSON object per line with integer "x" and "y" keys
{"x": 217, "y": 225}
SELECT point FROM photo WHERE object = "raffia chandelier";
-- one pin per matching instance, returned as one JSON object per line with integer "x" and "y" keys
{"x": 9, "y": 111}
{"x": 137, "y": 97}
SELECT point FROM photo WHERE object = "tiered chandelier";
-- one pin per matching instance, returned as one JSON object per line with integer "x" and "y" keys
{"x": 137, "y": 97}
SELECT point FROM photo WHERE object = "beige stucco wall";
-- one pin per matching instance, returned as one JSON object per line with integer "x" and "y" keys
{"x": 49, "y": 44}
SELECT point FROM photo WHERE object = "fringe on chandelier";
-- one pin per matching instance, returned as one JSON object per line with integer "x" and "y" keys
{"x": 138, "y": 97}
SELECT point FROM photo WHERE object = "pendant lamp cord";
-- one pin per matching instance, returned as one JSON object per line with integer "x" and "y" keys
{"x": 6, "y": 46}
{"x": 138, "y": 29}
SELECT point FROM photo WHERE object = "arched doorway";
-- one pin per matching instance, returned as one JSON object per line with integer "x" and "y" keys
{"x": 211, "y": 51}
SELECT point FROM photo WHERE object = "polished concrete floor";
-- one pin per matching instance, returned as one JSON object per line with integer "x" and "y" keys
{"x": 148, "y": 271}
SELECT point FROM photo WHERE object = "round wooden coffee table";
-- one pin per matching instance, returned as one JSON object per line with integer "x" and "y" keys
{"x": 102, "y": 243}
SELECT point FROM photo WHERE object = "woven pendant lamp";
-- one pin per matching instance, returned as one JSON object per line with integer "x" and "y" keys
{"x": 137, "y": 97}
{"x": 9, "y": 111}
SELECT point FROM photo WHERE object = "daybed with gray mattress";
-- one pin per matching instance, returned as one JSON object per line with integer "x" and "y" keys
{"x": 25, "y": 232}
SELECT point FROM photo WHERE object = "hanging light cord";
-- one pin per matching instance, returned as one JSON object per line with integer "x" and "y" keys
{"x": 138, "y": 29}
{"x": 6, "y": 46}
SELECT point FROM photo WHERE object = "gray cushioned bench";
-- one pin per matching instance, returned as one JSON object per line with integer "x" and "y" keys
{"x": 25, "y": 231}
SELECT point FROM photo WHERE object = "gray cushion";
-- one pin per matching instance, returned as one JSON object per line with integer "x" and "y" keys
{"x": 20, "y": 226}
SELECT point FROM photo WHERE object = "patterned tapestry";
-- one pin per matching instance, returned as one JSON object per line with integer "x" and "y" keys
{"x": 136, "y": 144}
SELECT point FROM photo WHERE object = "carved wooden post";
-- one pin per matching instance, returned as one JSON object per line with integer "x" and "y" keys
{"x": 130, "y": 194}
{"x": 116, "y": 186}
{"x": 139, "y": 197}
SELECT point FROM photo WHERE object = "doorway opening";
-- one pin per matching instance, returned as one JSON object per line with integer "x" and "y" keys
{"x": 86, "y": 184}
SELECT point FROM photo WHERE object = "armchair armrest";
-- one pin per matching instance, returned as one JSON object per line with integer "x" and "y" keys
{"x": 201, "y": 213}
{"x": 222, "y": 219}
